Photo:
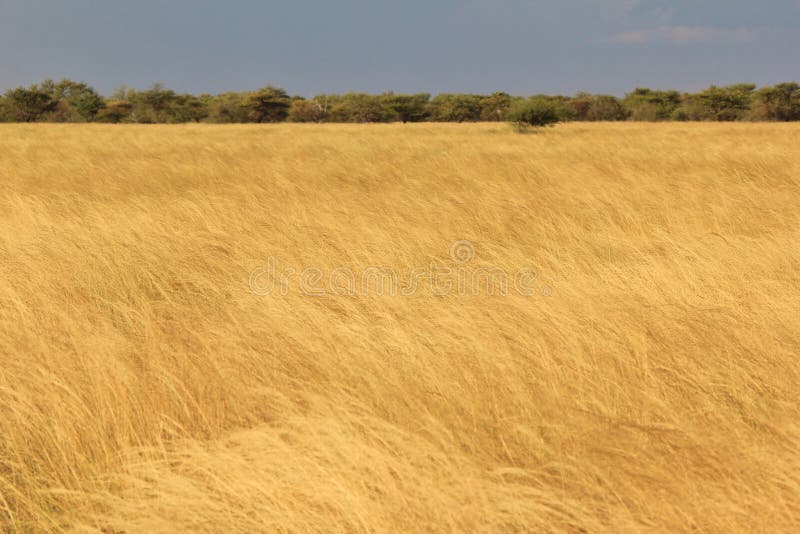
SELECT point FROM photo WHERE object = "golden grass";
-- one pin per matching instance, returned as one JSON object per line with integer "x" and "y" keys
{"x": 144, "y": 387}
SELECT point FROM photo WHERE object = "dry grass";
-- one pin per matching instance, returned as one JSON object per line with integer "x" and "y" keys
{"x": 145, "y": 388}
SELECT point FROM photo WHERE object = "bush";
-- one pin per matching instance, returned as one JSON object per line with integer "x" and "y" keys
{"x": 606, "y": 108}
{"x": 779, "y": 103}
{"x": 28, "y": 105}
{"x": 495, "y": 107}
{"x": 361, "y": 108}
{"x": 307, "y": 111}
{"x": 228, "y": 108}
{"x": 116, "y": 111}
{"x": 533, "y": 112}
{"x": 647, "y": 105}
{"x": 455, "y": 108}
{"x": 189, "y": 108}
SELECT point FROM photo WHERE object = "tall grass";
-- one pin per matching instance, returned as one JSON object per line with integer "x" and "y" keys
{"x": 650, "y": 383}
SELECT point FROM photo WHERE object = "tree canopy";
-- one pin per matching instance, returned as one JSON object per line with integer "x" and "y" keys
{"x": 74, "y": 101}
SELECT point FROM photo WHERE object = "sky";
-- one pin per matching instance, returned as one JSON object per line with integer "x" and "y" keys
{"x": 326, "y": 46}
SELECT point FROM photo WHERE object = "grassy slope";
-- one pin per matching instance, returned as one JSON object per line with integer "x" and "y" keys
{"x": 143, "y": 387}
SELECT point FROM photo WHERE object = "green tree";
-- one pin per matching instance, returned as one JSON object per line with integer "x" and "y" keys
{"x": 153, "y": 105}
{"x": 314, "y": 110}
{"x": 495, "y": 106}
{"x": 74, "y": 101}
{"x": 123, "y": 92}
{"x": 157, "y": 97}
{"x": 189, "y": 108}
{"x": 726, "y": 103}
{"x": 691, "y": 109}
{"x": 87, "y": 104}
{"x": 560, "y": 104}
{"x": 268, "y": 104}
{"x": 647, "y": 105}
{"x": 588, "y": 107}
{"x": 606, "y": 108}
{"x": 408, "y": 108}
{"x": 116, "y": 111}
{"x": 228, "y": 108}
{"x": 580, "y": 105}
{"x": 533, "y": 112}
{"x": 28, "y": 105}
{"x": 359, "y": 107}
{"x": 780, "y": 102}
{"x": 455, "y": 108}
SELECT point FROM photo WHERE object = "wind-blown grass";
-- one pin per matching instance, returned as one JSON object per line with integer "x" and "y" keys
{"x": 650, "y": 383}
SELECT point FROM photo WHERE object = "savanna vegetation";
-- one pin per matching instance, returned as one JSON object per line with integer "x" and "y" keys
{"x": 648, "y": 383}
{"x": 70, "y": 101}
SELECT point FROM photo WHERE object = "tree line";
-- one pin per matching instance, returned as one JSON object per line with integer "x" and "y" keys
{"x": 71, "y": 101}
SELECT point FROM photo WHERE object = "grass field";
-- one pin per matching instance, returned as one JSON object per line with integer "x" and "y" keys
{"x": 150, "y": 381}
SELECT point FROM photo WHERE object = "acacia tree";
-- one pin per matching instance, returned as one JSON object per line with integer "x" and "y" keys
{"x": 269, "y": 104}
{"x": 727, "y": 103}
{"x": 408, "y": 108}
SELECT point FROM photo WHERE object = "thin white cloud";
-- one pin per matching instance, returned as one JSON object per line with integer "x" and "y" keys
{"x": 685, "y": 35}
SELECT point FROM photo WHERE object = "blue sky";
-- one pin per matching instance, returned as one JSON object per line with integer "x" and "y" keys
{"x": 311, "y": 47}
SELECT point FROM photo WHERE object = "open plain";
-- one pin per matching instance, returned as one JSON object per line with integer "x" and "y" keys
{"x": 154, "y": 378}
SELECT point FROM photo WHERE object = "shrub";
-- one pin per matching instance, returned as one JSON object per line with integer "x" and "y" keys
{"x": 28, "y": 105}
{"x": 495, "y": 106}
{"x": 307, "y": 111}
{"x": 455, "y": 108}
{"x": 606, "y": 108}
{"x": 533, "y": 112}
{"x": 647, "y": 105}
{"x": 360, "y": 107}
{"x": 116, "y": 111}
{"x": 779, "y": 103}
